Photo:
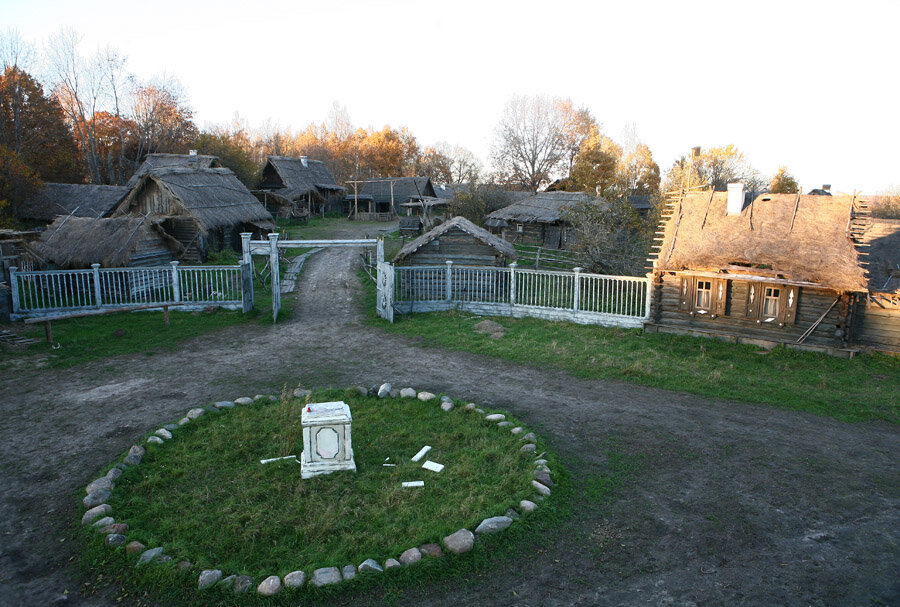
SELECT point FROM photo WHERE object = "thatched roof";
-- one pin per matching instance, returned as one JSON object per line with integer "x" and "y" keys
{"x": 75, "y": 199}
{"x": 78, "y": 242}
{"x": 215, "y": 197}
{"x": 796, "y": 238}
{"x": 544, "y": 207}
{"x": 159, "y": 161}
{"x": 404, "y": 189}
{"x": 502, "y": 247}
{"x": 299, "y": 179}
{"x": 883, "y": 259}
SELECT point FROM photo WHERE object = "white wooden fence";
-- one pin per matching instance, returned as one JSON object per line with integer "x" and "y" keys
{"x": 39, "y": 293}
{"x": 621, "y": 301}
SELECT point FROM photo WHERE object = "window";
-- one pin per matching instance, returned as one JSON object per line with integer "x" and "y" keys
{"x": 704, "y": 295}
{"x": 770, "y": 302}
{"x": 774, "y": 304}
{"x": 520, "y": 228}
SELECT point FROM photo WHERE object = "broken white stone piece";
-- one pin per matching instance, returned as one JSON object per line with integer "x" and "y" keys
{"x": 413, "y": 483}
{"x": 275, "y": 459}
{"x": 433, "y": 466}
{"x": 421, "y": 453}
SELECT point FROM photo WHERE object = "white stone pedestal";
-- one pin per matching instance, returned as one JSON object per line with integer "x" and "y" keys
{"x": 326, "y": 439}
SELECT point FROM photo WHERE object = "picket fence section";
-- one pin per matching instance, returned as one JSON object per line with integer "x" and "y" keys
{"x": 39, "y": 293}
{"x": 621, "y": 301}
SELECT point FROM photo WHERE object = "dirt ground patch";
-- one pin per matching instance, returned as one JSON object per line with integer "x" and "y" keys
{"x": 724, "y": 503}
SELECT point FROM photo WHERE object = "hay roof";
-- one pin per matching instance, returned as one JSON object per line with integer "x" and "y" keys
{"x": 460, "y": 222}
{"x": 71, "y": 199}
{"x": 299, "y": 179}
{"x": 215, "y": 197}
{"x": 544, "y": 207}
{"x": 798, "y": 238}
{"x": 78, "y": 242}
{"x": 158, "y": 161}
{"x": 883, "y": 259}
{"x": 405, "y": 189}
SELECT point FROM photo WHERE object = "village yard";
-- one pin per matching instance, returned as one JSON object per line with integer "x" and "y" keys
{"x": 676, "y": 498}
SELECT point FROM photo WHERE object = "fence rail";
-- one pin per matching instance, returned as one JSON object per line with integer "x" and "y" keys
{"x": 46, "y": 292}
{"x": 621, "y": 301}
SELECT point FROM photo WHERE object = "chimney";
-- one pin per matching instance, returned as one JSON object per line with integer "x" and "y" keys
{"x": 735, "y": 203}
{"x": 304, "y": 161}
{"x": 826, "y": 187}
{"x": 192, "y": 152}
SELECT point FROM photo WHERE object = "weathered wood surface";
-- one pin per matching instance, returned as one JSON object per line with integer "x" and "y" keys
{"x": 878, "y": 326}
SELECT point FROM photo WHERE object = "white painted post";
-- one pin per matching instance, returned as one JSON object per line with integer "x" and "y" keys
{"x": 275, "y": 275}
{"x": 245, "y": 247}
{"x": 449, "y": 282}
{"x": 576, "y": 304}
{"x": 176, "y": 282}
{"x": 98, "y": 298}
{"x": 648, "y": 289}
{"x": 379, "y": 250}
{"x": 512, "y": 283}
{"x": 14, "y": 288}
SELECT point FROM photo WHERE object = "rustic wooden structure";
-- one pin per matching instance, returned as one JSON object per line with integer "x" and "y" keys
{"x": 877, "y": 316}
{"x": 781, "y": 268}
{"x": 114, "y": 242}
{"x": 163, "y": 161}
{"x": 201, "y": 208}
{"x": 388, "y": 194}
{"x": 460, "y": 241}
{"x": 297, "y": 187}
{"x": 538, "y": 219}
{"x": 79, "y": 200}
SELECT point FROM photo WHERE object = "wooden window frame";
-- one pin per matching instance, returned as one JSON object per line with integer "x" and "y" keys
{"x": 787, "y": 301}
{"x": 718, "y": 296}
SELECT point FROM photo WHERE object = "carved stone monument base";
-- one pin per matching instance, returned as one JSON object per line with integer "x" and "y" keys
{"x": 326, "y": 439}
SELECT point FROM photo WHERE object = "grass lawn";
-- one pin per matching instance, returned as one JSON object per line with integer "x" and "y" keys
{"x": 866, "y": 387}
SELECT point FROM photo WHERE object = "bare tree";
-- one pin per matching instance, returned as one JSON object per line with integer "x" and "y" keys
{"x": 164, "y": 121}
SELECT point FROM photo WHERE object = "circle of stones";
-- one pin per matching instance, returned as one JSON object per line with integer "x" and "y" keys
{"x": 98, "y": 514}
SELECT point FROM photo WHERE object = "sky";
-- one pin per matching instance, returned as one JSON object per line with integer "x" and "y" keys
{"x": 810, "y": 85}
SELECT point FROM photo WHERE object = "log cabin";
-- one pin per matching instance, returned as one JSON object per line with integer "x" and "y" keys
{"x": 162, "y": 161}
{"x": 877, "y": 315}
{"x": 388, "y": 194}
{"x": 76, "y": 199}
{"x": 295, "y": 188}
{"x": 457, "y": 240}
{"x": 539, "y": 219}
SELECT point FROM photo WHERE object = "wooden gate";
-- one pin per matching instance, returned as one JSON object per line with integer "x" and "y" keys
{"x": 384, "y": 301}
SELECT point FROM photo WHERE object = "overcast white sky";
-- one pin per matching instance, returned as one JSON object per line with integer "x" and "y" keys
{"x": 812, "y": 85}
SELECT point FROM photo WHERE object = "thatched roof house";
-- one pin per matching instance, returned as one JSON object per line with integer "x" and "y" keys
{"x": 388, "y": 194}
{"x": 460, "y": 241}
{"x": 199, "y": 207}
{"x": 79, "y": 200}
{"x": 161, "y": 161}
{"x": 299, "y": 186}
{"x": 78, "y": 242}
{"x": 781, "y": 268}
{"x": 538, "y": 219}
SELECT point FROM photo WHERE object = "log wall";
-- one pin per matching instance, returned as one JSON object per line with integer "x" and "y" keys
{"x": 457, "y": 246}
{"x": 878, "y": 323}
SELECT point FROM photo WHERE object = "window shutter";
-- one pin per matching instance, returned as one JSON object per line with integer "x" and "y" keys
{"x": 787, "y": 307}
{"x": 754, "y": 296}
{"x": 719, "y": 296}
{"x": 686, "y": 295}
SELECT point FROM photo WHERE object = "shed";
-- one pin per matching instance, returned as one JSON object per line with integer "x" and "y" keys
{"x": 77, "y": 199}
{"x": 782, "y": 268}
{"x": 538, "y": 219}
{"x": 460, "y": 241}
{"x": 388, "y": 194}
{"x": 204, "y": 209}
{"x": 297, "y": 187}
{"x": 878, "y": 313}
{"x": 113, "y": 242}
{"x": 162, "y": 161}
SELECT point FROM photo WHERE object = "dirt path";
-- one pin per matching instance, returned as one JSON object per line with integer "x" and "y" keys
{"x": 727, "y": 503}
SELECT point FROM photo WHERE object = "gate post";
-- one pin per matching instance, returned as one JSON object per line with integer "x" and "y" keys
{"x": 512, "y": 283}
{"x": 98, "y": 298}
{"x": 275, "y": 275}
{"x": 576, "y": 304}
{"x": 379, "y": 249}
{"x": 449, "y": 281}
{"x": 246, "y": 287}
{"x": 245, "y": 247}
{"x": 14, "y": 289}
{"x": 176, "y": 283}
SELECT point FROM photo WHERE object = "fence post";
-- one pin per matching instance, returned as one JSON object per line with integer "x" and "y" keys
{"x": 14, "y": 289}
{"x": 512, "y": 283}
{"x": 379, "y": 249}
{"x": 176, "y": 283}
{"x": 648, "y": 293}
{"x": 576, "y": 304}
{"x": 275, "y": 275}
{"x": 98, "y": 298}
{"x": 246, "y": 287}
{"x": 245, "y": 247}
{"x": 449, "y": 282}
{"x": 537, "y": 260}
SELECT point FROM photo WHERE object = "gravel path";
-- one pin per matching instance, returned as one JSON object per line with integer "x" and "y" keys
{"x": 728, "y": 503}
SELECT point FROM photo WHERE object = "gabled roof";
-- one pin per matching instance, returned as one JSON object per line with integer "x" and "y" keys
{"x": 544, "y": 207}
{"x": 794, "y": 237}
{"x": 71, "y": 199}
{"x": 78, "y": 242}
{"x": 404, "y": 189}
{"x": 158, "y": 161}
{"x": 459, "y": 222}
{"x": 299, "y": 179}
{"x": 215, "y": 197}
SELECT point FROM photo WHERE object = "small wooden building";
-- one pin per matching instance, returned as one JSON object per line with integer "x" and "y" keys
{"x": 168, "y": 161}
{"x": 76, "y": 199}
{"x": 538, "y": 219}
{"x": 297, "y": 187}
{"x": 388, "y": 194}
{"x": 113, "y": 242}
{"x": 877, "y": 316}
{"x": 782, "y": 268}
{"x": 460, "y": 241}
{"x": 204, "y": 209}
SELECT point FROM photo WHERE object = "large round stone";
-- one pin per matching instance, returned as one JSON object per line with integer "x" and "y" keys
{"x": 324, "y": 576}
{"x": 460, "y": 542}
{"x": 269, "y": 586}
{"x": 208, "y": 577}
{"x": 493, "y": 524}
{"x": 295, "y": 579}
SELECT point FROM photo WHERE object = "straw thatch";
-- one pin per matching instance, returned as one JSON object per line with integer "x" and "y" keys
{"x": 405, "y": 189}
{"x": 214, "y": 197}
{"x": 76, "y": 199}
{"x": 544, "y": 207}
{"x": 799, "y": 238}
{"x": 115, "y": 242}
{"x": 883, "y": 259}
{"x": 159, "y": 161}
{"x": 502, "y": 247}
{"x": 294, "y": 178}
